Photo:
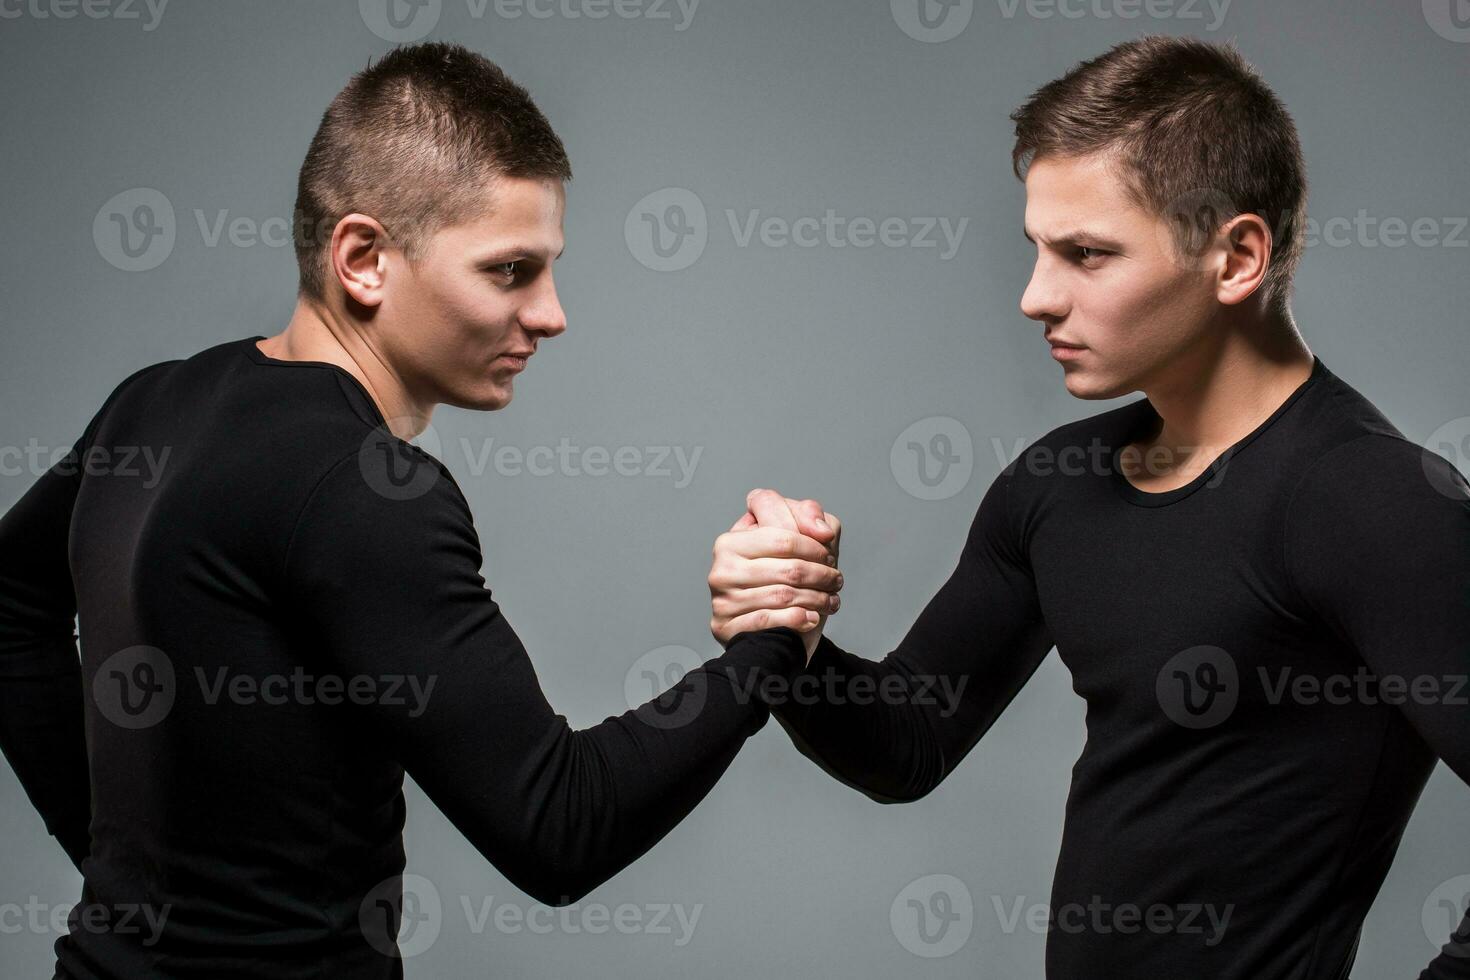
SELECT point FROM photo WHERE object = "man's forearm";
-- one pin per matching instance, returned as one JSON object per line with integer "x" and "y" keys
{"x": 42, "y": 736}
{"x": 866, "y": 722}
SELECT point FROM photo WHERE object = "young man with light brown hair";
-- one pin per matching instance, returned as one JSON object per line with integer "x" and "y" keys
{"x": 292, "y": 617}
{"x": 1260, "y": 587}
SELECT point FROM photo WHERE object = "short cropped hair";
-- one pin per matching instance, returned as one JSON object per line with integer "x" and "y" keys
{"x": 413, "y": 141}
{"x": 1197, "y": 135}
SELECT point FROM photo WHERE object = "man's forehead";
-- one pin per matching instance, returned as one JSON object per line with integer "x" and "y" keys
{"x": 1075, "y": 180}
{"x": 523, "y": 201}
{"x": 518, "y": 216}
{"x": 1076, "y": 196}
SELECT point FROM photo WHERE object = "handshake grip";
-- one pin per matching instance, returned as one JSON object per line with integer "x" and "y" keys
{"x": 776, "y": 566}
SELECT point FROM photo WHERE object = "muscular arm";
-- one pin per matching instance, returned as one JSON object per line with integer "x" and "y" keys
{"x": 895, "y": 728}
{"x": 42, "y": 732}
{"x": 41, "y": 709}
{"x": 1378, "y": 545}
{"x": 393, "y": 587}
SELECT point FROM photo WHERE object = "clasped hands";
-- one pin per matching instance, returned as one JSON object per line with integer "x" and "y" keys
{"x": 776, "y": 566}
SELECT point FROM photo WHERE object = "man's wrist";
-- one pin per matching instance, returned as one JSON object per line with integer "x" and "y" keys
{"x": 810, "y": 640}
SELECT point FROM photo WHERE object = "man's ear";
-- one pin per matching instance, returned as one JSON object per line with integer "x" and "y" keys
{"x": 357, "y": 258}
{"x": 1246, "y": 239}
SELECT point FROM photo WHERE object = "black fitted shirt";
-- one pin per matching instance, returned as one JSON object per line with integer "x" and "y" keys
{"x": 280, "y": 612}
{"x": 1248, "y": 648}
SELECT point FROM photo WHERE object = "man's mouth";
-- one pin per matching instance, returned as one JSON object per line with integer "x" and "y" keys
{"x": 515, "y": 360}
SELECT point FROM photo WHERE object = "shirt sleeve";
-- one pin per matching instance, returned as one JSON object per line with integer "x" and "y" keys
{"x": 386, "y": 581}
{"x": 1378, "y": 547}
{"x": 42, "y": 729}
{"x": 895, "y": 728}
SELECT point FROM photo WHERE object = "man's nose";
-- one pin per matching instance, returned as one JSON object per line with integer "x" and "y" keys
{"x": 544, "y": 314}
{"x": 1043, "y": 299}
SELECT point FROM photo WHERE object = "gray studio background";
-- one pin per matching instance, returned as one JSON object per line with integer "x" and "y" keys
{"x": 785, "y": 365}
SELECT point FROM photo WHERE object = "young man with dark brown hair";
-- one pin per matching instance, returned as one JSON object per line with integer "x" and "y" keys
{"x": 292, "y": 617}
{"x": 1260, "y": 586}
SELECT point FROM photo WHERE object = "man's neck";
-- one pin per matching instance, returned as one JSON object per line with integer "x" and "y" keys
{"x": 315, "y": 333}
{"x": 1216, "y": 395}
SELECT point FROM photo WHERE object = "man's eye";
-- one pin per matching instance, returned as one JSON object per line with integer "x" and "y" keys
{"x": 1086, "y": 253}
{"x": 506, "y": 269}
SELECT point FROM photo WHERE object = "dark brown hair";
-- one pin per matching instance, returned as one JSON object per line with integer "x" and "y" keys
{"x": 1198, "y": 136}
{"x": 413, "y": 141}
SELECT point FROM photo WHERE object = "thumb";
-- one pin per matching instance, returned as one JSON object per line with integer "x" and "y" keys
{"x": 811, "y": 520}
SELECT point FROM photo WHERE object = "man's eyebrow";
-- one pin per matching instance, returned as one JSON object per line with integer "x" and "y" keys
{"x": 1078, "y": 236}
{"x": 518, "y": 248}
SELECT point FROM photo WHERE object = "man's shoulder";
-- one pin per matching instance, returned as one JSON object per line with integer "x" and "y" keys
{"x": 1086, "y": 442}
{"x": 1344, "y": 446}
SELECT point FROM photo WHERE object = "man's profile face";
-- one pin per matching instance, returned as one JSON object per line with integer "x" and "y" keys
{"x": 1109, "y": 278}
{"x": 479, "y": 293}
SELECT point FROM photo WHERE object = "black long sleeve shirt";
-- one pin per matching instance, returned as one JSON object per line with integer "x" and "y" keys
{"x": 1248, "y": 647}
{"x": 280, "y": 612}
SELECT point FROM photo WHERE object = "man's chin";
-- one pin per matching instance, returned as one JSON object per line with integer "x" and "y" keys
{"x": 1089, "y": 387}
{"x": 492, "y": 398}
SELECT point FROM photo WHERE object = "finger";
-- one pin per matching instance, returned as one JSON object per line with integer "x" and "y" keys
{"x": 810, "y": 519}
{"x": 836, "y": 526}
{"x": 800, "y": 620}
{"x": 756, "y": 572}
{"x": 746, "y": 522}
{"x": 771, "y": 542}
{"x": 770, "y": 509}
{"x": 737, "y": 603}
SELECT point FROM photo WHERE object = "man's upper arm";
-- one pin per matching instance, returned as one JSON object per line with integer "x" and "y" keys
{"x": 971, "y": 650}
{"x": 1378, "y": 546}
{"x": 42, "y": 730}
{"x": 392, "y": 587}
{"x": 984, "y": 628}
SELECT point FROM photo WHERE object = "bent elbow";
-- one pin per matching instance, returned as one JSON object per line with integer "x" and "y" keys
{"x": 554, "y": 882}
{"x": 559, "y": 896}
{"x": 899, "y": 794}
